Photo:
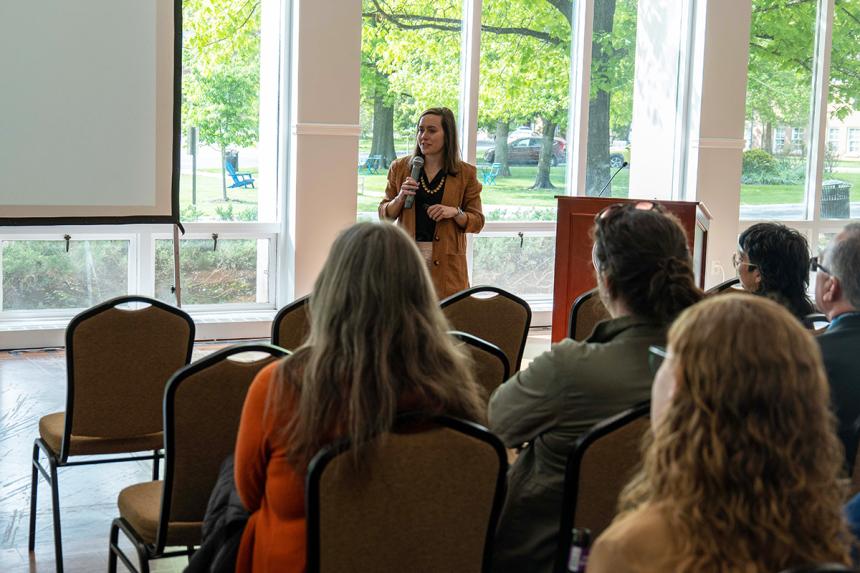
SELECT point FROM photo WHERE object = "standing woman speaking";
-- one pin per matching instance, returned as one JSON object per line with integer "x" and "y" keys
{"x": 446, "y": 200}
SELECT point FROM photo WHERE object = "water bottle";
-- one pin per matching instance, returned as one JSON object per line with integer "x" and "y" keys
{"x": 579, "y": 546}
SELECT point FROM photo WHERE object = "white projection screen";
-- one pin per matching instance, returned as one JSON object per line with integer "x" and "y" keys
{"x": 89, "y": 111}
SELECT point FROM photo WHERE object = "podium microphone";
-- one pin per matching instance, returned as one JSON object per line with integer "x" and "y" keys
{"x": 617, "y": 171}
{"x": 417, "y": 165}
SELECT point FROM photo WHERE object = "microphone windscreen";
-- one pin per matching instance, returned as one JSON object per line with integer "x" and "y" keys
{"x": 417, "y": 165}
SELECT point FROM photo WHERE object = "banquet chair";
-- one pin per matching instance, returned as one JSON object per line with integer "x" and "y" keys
{"x": 490, "y": 363}
{"x": 599, "y": 466}
{"x": 202, "y": 407}
{"x": 117, "y": 364}
{"x": 428, "y": 501}
{"x": 494, "y": 315}
{"x": 291, "y": 324}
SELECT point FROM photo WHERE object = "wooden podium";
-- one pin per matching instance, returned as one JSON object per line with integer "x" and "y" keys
{"x": 574, "y": 273}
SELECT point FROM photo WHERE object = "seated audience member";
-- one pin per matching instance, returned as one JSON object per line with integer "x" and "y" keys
{"x": 645, "y": 278}
{"x": 742, "y": 474}
{"x": 837, "y": 294}
{"x": 773, "y": 261}
{"x": 377, "y": 346}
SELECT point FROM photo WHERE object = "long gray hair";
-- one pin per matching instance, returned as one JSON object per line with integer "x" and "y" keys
{"x": 377, "y": 344}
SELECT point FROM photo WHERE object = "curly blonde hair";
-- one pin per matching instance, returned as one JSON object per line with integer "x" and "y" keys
{"x": 745, "y": 460}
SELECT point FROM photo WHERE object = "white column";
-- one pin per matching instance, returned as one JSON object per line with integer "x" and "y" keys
{"x": 657, "y": 110}
{"x": 470, "y": 64}
{"x": 717, "y": 109}
{"x": 324, "y": 131}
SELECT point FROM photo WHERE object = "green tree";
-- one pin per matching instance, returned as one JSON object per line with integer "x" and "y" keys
{"x": 221, "y": 55}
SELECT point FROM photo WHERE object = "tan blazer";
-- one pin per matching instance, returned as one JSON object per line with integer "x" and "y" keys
{"x": 448, "y": 270}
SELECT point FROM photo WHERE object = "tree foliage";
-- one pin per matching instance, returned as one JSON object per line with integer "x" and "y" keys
{"x": 221, "y": 65}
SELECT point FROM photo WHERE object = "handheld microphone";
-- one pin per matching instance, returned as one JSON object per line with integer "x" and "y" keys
{"x": 617, "y": 171}
{"x": 417, "y": 166}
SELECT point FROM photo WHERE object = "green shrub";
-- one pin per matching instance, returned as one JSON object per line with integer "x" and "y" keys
{"x": 762, "y": 168}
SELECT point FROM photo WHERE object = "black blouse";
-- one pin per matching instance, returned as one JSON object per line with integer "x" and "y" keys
{"x": 429, "y": 193}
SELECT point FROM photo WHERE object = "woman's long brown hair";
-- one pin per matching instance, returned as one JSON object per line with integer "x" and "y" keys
{"x": 377, "y": 336}
{"x": 745, "y": 463}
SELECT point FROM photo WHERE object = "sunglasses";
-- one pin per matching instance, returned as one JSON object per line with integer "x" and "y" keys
{"x": 814, "y": 266}
{"x": 656, "y": 356}
{"x": 607, "y": 211}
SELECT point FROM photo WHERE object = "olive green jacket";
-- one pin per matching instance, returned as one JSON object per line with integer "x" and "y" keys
{"x": 562, "y": 394}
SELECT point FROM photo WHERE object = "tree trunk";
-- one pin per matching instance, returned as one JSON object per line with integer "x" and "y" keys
{"x": 500, "y": 155}
{"x": 546, "y": 158}
{"x": 383, "y": 130}
{"x": 224, "y": 174}
{"x": 767, "y": 137}
{"x": 597, "y": 170}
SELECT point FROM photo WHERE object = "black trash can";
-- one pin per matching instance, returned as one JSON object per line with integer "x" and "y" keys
{"x": 835, "y": 199}
{"x": 232, "y": 157}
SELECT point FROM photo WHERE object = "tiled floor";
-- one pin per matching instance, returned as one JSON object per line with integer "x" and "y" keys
{"x": 32, "y": 384}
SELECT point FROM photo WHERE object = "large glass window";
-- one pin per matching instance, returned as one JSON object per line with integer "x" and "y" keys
{"x": 60, "y": 275}
{"x": 221, "y": 88}
{"x": 410, "y": 61}
{"x": 610, "y": 105}
{"x": 522, "y": 112}
{"x": 214, "y": 272}
{"x": 782, "y": 39}
{"x": 840, "y": 188}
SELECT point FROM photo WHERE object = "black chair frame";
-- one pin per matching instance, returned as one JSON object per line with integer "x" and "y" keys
{"x": 723, "y": 286}
{"x": 328, "y": 453}
{"x": 487, "y": 347}
{"x": 487, "y": 288}
{"x": 61, "y": 459}
{"x": 574, "y": 310}
{"x": 571, "y": 475}
{"x": 810, "y": 319}
{"x": 279, "y": 317}
{"x": 147, "y": 551}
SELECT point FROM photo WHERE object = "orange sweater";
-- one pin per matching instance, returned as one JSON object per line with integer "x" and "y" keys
{"x": 271, "y": 489}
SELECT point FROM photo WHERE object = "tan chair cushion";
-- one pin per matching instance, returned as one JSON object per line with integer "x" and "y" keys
{"x": 140, "y": 506}
{"x": 51, "y": 429}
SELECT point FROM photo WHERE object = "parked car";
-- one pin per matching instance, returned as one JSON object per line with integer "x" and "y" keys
{"x": 619, "y": 152}
{"x": 526, "y": 150}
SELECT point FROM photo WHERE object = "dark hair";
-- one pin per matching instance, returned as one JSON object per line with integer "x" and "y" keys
{"x": 843, "y": 258}
{"x": 451, "y": 153}
{"x": 644, "y": 257}
{"x": 781, "y": 255}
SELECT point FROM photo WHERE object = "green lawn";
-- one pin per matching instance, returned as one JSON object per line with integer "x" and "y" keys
{"x": 511, "y": 192}
{"x": 210, "y": 198}
{"x": 507, "y": 191}
{"x": 791, "y": 194}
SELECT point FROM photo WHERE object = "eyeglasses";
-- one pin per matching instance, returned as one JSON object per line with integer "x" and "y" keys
{"x": 737, "y": 261}
{"x": 656, "y": 356}
{"x": 604, "y": 213}
{"x": 815, "y": 267}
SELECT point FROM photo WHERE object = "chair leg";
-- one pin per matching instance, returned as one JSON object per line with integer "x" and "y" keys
{"x": 113, "y": 547}
{"x": 34, "y": 488}
{"x": 155, "y": 466}
{"x": 55, "y": 507}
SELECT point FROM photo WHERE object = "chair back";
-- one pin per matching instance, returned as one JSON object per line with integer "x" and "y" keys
{"x": 599, "y": 466}
{"x": 725, "y": 286}
{"x": 586, "y": 312}
{"x": 118, "y": 362}
{"x": 291, "y": 324}
{"x": 816, "y": 322}
{"x": 428, "y": 501}
{"x": 202, "y": 407}
{"x": 502, "y": 318}
{"x": 490, "y": 363}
